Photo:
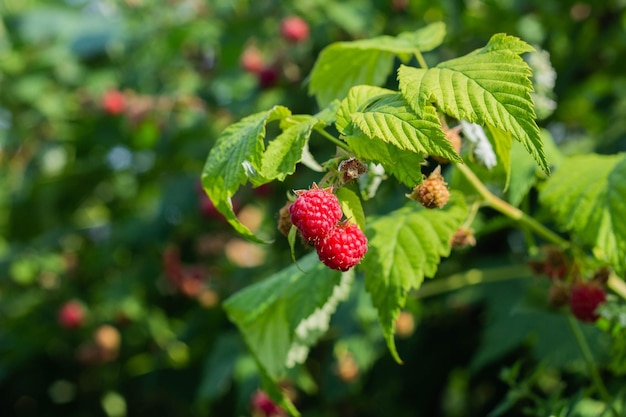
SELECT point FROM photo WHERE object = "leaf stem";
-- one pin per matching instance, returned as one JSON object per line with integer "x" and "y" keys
{"x": 467, "y": 278}
{"x": 508, "y": 210}
{"x": 332, "y": 138}
{"x": 421, "y": 60}
{"x": 591, "y": 364}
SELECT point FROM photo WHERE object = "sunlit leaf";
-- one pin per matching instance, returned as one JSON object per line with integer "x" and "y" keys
{"x": 342, "y": 65}
{"x": 404, "y": 247}
{"x": 235, "y": 158}
{"x": 587, "y": 195}
{"x": 490, "y": 86}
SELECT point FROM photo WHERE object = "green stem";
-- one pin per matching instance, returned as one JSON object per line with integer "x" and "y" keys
{"x": 421, "y": 60}
{"x": 332, "y": 138}
{"x": 591, "y": 364}
{"x": 467, "y": 278}
{"x": 508, "y": 210}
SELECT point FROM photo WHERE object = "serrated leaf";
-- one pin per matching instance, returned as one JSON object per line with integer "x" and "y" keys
{"x": 285, "y": 151}
{"x": 404, "y": 165}
{"x": 404, "y": 247}
{"x": 587, "y": 195}
{"x": 342, "y": 65}
{"x": 269, "y": 313}
{"x": 389, "y": 118}
{"x": 357, "y": 97}
{"x": 234, "y": 159}
{"x": 490, "y": 86}
{"x": 351, "y": 206}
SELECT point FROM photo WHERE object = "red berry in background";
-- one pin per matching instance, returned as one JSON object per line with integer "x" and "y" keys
{"x": 294, "y": 29}
{"x": 343, "y": 248}
{"x": 585, "y": 297}
{"x": 251, "y": 60}
{"x": 263, "y": 405}
{"x": 114, "y": 102}
{"x": 315, "y": 212}
{"x": 268, "y": 77}
{"x": 71, "y": 315}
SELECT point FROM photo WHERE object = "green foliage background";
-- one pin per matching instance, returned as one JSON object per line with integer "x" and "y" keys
{"x": 90, "y": 202}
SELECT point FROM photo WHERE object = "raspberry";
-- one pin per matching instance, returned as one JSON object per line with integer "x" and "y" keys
{"x": 294, "y": 29}
{"x": 251, "y": 60}
{"x": 284, "y": 219}
{"x": 585, "y": 299}
{"x": 315, "y": 212}
{"x": 462, "y": 238}
{"x": 262, "y": 404}
{"x": 433, "y": 192}
{"x": 71, "y": 315}
{"x": 343, "y": 248}
{"x": 114, "y": 102}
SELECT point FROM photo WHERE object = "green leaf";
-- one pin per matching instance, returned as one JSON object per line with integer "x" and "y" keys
{"x": 404, "y": 247}
{"x": 490, "y": 86}
{"x": 234, "y": 159}
{"x": 389, "y": 118}
{"x": 357, "y": 97}
{"x": 285, "y": 151}
{"x": 404, "y": 165}
{"x": 342, "y": 65}
{"x": 351, "y": 206}
{"x": 501, "y": 143}
{"x": 282, "y": 316}
{"x": 587, "y": 195}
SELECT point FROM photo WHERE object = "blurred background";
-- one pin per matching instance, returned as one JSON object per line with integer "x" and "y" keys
{"x": 113, "y": 264}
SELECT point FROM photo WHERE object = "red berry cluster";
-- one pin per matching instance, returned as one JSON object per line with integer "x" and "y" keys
{"x": 316, "y": 213}
{"x": 585, "y": 297}
{"x": 582, "y": 296}
{"x": 294, "y": 30}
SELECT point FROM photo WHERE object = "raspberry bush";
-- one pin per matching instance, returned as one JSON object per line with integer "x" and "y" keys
{"x": 385, "y": 133}
{"x": 131, "y": 287}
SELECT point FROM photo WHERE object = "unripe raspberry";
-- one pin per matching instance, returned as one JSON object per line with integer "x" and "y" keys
{"x": 433, "y": 192}
{"x": 405, "y": 324}
{"x": 559, "y": 294}
{"x": 343, "y": 248}
{"x": 462, "y": 238}
{"x": 294, "y": 29}
{"x": 315, "y": 212}
{"x": 284, "y": 219}
{"x": 585, "y": 299}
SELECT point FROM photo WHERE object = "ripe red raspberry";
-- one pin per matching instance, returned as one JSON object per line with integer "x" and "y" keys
{"x": 251, "y": 60}
{"x": 71, "y": 315}
{"x": 294, "y": 29}
{"x": 315, "y": 212}
{"x": 263, "y": 404}
{"x": 433, "y": 192}
{"x": 584, "y": 299}
{"x": 114, "y": 102}
{"x": 343, "y": 248}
